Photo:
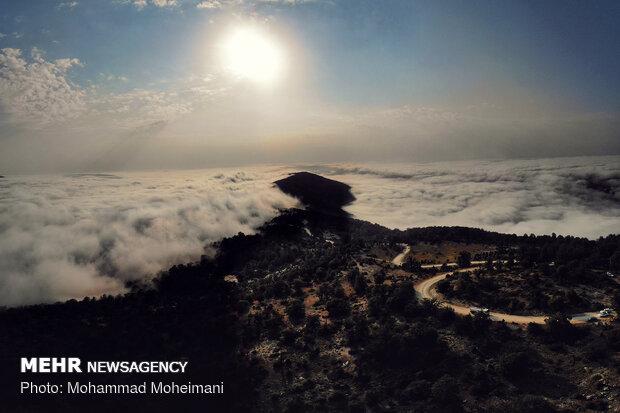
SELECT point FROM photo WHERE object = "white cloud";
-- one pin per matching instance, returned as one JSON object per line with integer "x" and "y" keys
{"x": 573, "y": 196}
{"x": 35, "y": 92}
{"x": 138, "y": 107}
{"x": 164, "y": 3}
{"x": 68, "y": 237}
{"x": 38, "y": 91}
{"x": 113, "y": 78}
{"x": 289, "y": 2}
{"x": 141, "y": 4}
{"x": 67, "y": 5}
{"x": 210, "y": 4}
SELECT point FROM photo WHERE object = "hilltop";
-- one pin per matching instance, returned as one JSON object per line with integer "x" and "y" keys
{"x": 317, "y": 193}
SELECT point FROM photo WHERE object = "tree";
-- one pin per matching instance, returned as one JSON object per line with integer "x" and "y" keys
{"x": 614, "y": 261}
{"x": 312, "y": 327}
{"x": 464, "y": 259}
{"x": 360, "y": 285}
{"x": 338, "y": 308}
{"x": 412, "y": 265}
{"x": 518, "y": 365}
{"x": 401, "y": 295}
{"x": 353, "y": 274}
{"x": 444, "y": 287}
{"x": 296, "y": 311}
{"x": 616, "y": 300}
{"x": 560, "y": 329}
{"x": 380, "y": 277}
{"x": 533, "y": 404}
{"x": 357, "y": 330}
{"x": 445, "y": 393}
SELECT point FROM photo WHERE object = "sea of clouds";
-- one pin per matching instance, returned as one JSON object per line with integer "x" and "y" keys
{"x": 568, "y": 196}
{"x": 82, "y": 235}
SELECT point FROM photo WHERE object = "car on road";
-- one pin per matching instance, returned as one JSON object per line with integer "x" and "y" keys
{"x": 606, "y": 312}
{"x": 478, "y": 310}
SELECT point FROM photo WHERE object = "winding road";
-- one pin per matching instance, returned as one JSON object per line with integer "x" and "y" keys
{"x": 400, "y": 258}
{"x": 426, "y": 289}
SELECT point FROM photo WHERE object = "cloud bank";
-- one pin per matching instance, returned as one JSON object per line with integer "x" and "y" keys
{"x": 569, "y": 196}
{"x": 37, "y": 90}
{"x": 81, "y": 235}
{"x": 87, "y": 234}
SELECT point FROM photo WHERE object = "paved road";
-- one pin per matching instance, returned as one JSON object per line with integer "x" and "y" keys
{"x": 426, "y": 289}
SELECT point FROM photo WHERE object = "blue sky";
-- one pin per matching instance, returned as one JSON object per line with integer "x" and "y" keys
{"x": 388, "y": 50}
{"x": 347, "y": 60}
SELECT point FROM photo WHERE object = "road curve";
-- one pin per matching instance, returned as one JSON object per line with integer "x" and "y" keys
{"x": 400, "y": 258}
{"x": 426, "y": 289}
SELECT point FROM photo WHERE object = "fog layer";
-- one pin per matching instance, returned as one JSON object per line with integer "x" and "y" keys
{"x": 570, "y": 196}
{"x": 72, "y": 236}
{"x": 82, "y": 235}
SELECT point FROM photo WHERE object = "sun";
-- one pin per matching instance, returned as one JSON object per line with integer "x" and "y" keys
{"x": 249, "y": 53}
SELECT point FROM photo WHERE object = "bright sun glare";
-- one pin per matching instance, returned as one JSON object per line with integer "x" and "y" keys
{"x": 249, "y": 53}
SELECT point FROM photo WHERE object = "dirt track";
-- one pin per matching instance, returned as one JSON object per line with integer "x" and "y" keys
{"x": 426, "y": 289}
{"x": 400, "y": 258}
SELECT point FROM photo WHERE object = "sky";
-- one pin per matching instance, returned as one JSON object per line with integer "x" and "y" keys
{"x": 163, "y": 84}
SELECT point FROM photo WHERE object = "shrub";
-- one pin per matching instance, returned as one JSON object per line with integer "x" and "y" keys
{"x": 444, "y": 287}
{"x": 535, "y": 329}
{"x": 379, "y": 277}
{"x": 561, "y": 330}
{"x": 338, "y": 307}
{"x": 296, "y": 311}
{"x": 360, "y": 285}
{"x": 533, "y": 404}
{"x": 464, "y": 259}
{"x": 357, "y": 330}
{"x": 416, "y": 390}
{"x": 445, "y": 392}
{"x": 518, "y": 365}
{"x": 401, "y": 295}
